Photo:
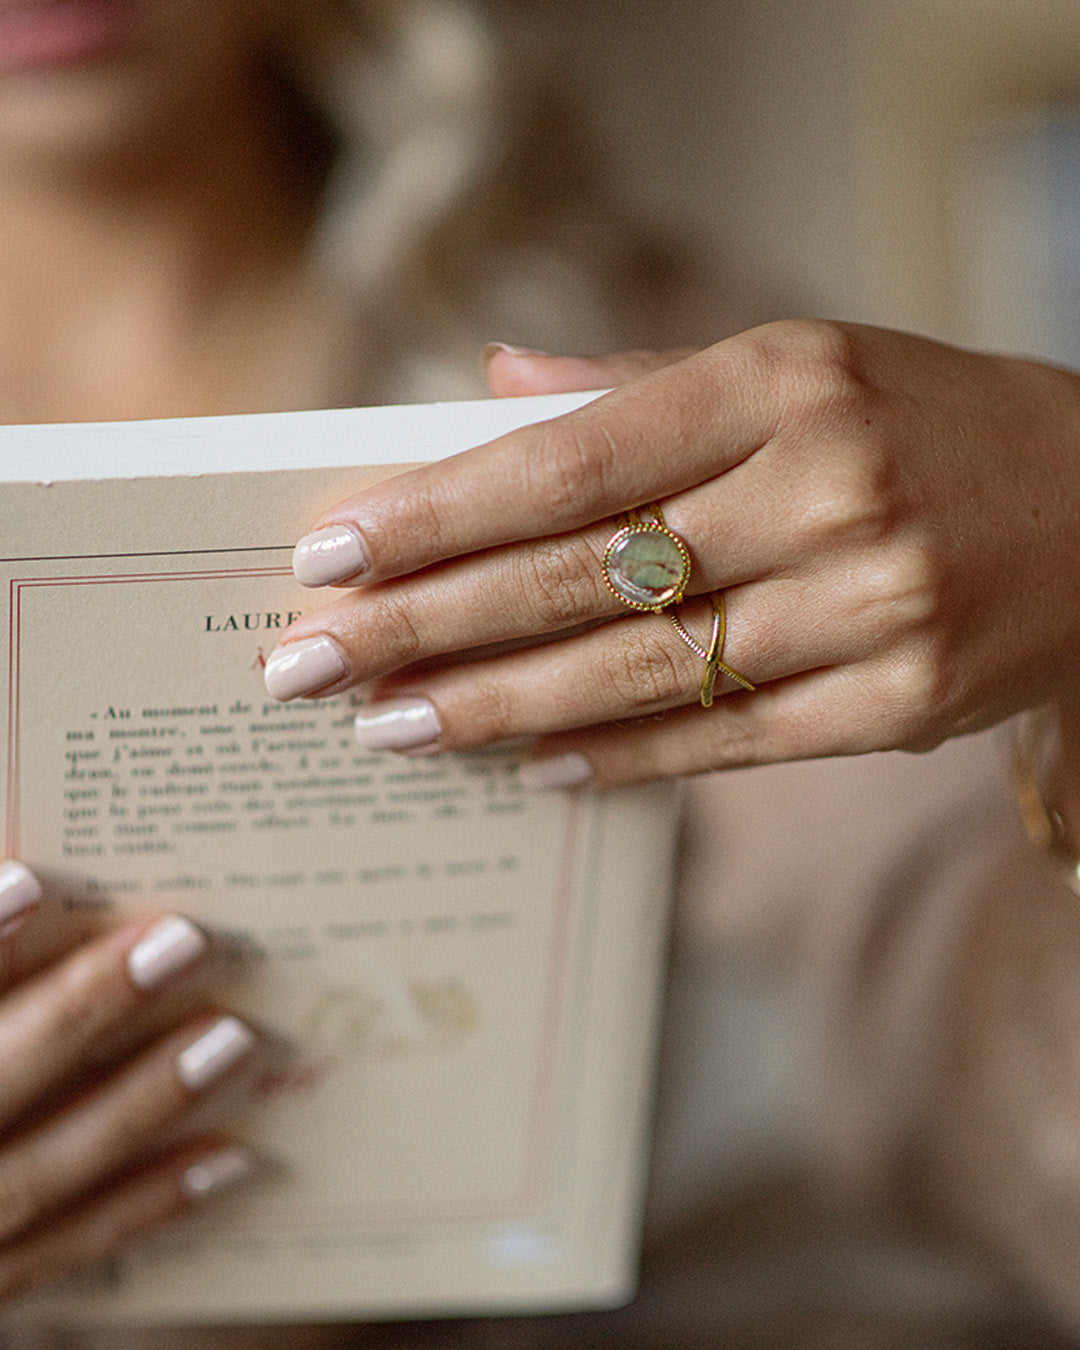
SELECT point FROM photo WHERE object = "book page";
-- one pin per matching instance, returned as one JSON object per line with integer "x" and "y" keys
{"x": 455, "y": 979}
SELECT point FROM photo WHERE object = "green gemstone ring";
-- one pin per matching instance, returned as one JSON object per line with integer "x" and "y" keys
{"x": 646, "y": 566}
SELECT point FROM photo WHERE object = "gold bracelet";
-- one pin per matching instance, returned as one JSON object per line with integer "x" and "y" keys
{"x": 1043, "y": 822}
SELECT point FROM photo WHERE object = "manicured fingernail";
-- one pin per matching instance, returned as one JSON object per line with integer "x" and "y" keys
{"x": 218, "y": 1171}
{"x": 214, "y": 1053}
{"x": 303, "y": 667}
{"x": 561, "y": 771}
{"x": 493, "y": 348}
{"x": 168, "y": 949}
{"x": 20, "y": 892}
{"x": 398, "y": 724}
{"x": 335, "y": 553}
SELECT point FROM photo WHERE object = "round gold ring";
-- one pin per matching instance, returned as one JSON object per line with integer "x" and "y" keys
{"x": 646, "y": 565}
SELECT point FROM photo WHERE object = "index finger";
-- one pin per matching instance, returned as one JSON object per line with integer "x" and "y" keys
{"x": 646, "y": 440}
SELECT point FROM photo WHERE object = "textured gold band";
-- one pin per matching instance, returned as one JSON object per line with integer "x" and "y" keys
{"x": 646, "y": 518}
{"x": 712, "y": 655}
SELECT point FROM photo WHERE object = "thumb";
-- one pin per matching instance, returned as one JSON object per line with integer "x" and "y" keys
{"x": 513, "y": 371}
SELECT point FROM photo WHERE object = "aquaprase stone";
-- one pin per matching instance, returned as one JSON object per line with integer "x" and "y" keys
{"x": 646, "y": 566}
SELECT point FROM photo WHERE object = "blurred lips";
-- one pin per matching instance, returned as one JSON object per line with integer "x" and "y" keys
{"x": 57, "y": 32}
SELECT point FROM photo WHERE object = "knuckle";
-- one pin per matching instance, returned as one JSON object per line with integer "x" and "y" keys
{"x": 392, "y": 618}
{"x": 927, "y": 693}
{"x": 568, "y": 465}
{"x": 815, "y": 367}
{"x": 913, "y": 702}
{"x": 904, "y": 603}
{"x": 644, "y": 674}
{"x": 428, "y": 510}
{"x": 856, "y": 510}
{"x": 738, "y": 744}
{"x": 901, "y": 595}
{"x": 824, "y": 349}
{"x": 909, "y": 584}
{"x": 558, "y": 583}
{"x": 491, "y": 713}
{"x": 796, "y": 344}
{"x": 853, "y": 504}
{"x": 83, "y": 1003}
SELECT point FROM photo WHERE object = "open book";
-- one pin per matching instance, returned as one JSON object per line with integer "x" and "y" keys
{"x": 461, "y": 976}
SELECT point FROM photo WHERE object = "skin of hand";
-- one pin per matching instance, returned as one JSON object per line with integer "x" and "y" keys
{"x": 1068, "y": 778}
{"x": 81, "y": 1168}
{"x": 893, "y": 523}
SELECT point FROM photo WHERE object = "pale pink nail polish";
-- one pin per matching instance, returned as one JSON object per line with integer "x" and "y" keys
{"x": 304, "y": 667}
{"x": 493, "y": 348}
{"x": 166, "y": 951}
{"x": 336, "y": 553}
{"x": 561, "y": 771}
{"x": 20, "y": 892}
{"x": 214, "y": 1053}
{"x": 398, "y": 724}
{"x": 219, "y": 1171}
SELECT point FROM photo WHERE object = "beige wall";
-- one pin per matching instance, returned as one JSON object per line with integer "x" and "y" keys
{"x": 734, "y": 115}
{"x": 815, "y": 140}
{"x": 929, "y": 73}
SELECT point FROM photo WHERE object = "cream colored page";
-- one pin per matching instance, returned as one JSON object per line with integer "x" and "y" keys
{"x": 455, "y": 977}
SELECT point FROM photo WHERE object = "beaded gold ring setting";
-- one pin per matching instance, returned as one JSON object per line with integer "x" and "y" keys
{"x": 647, "y": 566}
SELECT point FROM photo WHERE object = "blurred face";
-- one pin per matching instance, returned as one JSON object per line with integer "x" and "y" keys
{"x": 88, "y": 77}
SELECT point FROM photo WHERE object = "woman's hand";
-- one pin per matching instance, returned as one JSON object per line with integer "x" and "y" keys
{"x": 82, "y": 1168}
{"x": 895, "y": 525}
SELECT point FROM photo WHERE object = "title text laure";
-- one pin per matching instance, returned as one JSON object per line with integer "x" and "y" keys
{"x": 251, "y": 623}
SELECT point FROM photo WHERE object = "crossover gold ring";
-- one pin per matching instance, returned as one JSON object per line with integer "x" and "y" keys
{"x": 647, "y": 566}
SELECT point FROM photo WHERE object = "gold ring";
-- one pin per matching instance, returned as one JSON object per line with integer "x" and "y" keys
{"x": 712, "y": 654}
{"x": 646, "y": 565}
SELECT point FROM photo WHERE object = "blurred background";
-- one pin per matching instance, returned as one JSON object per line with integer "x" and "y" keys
{"x": 911, "y": 163}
